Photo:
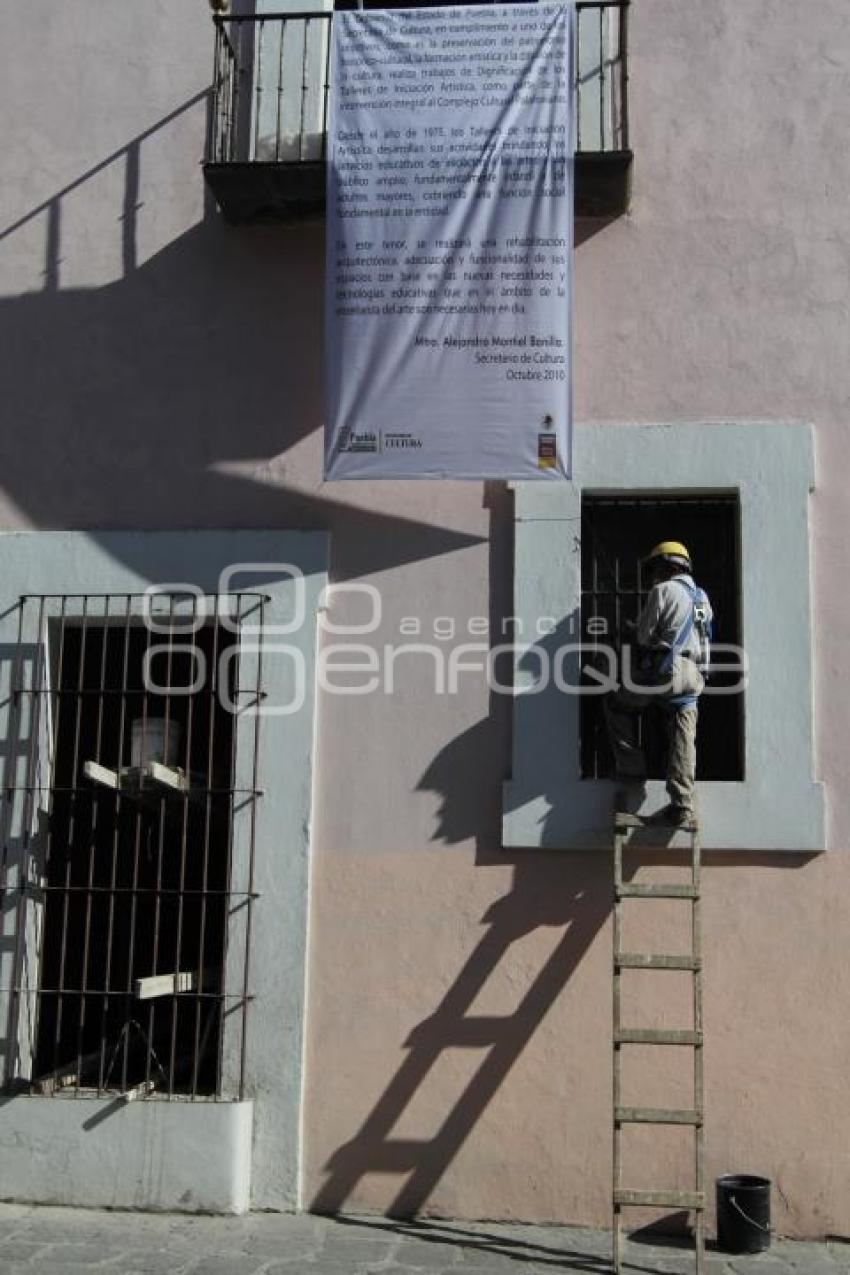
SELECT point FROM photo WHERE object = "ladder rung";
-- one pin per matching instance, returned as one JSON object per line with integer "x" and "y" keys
{"x": 623, "y": 820}
{"x": 662, "y": 1199}
{"x": 653, "y": 1036}
{"x": 657, "y": 892}
{"x": 642, "y": 961}
{"x": 656, "y": 1115}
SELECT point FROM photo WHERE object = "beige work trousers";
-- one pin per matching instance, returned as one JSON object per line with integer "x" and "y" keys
{"x": 622, "y": 713}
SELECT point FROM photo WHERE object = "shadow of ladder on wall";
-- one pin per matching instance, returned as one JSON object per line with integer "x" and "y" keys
{"x": 624, "y": 826}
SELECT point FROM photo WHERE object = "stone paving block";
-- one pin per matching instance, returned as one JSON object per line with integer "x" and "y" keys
{"x": 499, "y": 1263}
{"x": 336, "y": 1248}
{"x": 21, "y": 1250}
{"x": 799, "y": 1253}
{"x": 72, "y": 1256}
{"x": 283, "y": 1248}
{"x": 803, "y": 1257}
{"x": 404, "y": 1270}
{"x": 760, "y": 1264}
{"x": 235, "y": 1265}
{"x": 148, "y": 1260}
{"x": 526, "y": 1268}
{"x": 816, "y": 1266}
{"x": 425, "y": 1254}
{"x": 317, "y": 1268}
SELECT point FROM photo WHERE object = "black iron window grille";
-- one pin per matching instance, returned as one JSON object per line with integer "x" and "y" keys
{"x": 128, "y": 841}
{"x": 616, "y": 532}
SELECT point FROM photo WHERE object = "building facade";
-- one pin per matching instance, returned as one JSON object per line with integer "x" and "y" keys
{"x": 353, "y": 951}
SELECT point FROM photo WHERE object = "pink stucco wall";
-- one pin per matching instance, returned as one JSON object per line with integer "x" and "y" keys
{"x": 161, "y": 370}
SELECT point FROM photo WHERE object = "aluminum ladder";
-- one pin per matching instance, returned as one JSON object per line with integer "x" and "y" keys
{"x": 624, "y": 826}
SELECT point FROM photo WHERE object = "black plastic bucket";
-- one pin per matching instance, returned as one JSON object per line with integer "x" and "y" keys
{"x": 743, "y": 1213}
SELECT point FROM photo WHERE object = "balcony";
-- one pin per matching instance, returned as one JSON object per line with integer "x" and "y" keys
{"x": 265, "y": 159}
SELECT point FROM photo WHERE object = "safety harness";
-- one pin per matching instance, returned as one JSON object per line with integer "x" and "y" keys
{"x": 698, "y": 618}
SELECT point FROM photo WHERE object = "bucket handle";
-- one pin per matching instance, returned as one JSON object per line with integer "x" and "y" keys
{"x": 751, "y": 1220}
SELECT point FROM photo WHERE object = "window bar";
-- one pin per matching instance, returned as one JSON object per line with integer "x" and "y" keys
{"x": 326, "y": 89}
{"x": 251, "y": 852}
{"x": 225, "y": 73}
{"x": 69, "y": 843}
{"x": 577, "y": 78}
{"x": 226, "y": 69}
{"x": 236, "y": 76}
{"x": 228, "y": 874}
{"x": 137, "y": 846}
{"x": 278, "y": 120}
{"x": 58, "y": 701}
{"x": 184, "y": 839}
{"x": 110, "y": 925}
{"x": 259, "y": 89}
{"x": 9, "y": 777}
{"x": 227, "y": 62}
{"x": 95, "y": 801}
{"x": 601, "y": 78}
{"x": 213, "y": 147}
{"x": 304, "y": 87}
{"x": 594, "y": 586}
{"x": 160, "y": 848}
{"x": 20, "y": 910}
{"x": 205, "y": 868}
{"x": 623, "y": 14}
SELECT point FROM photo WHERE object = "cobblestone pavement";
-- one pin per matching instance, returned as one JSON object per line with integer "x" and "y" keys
{"x": 75, "y": 1240}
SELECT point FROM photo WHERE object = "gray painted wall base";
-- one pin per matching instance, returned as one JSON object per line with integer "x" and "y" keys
{"x": 186, "y": 1156}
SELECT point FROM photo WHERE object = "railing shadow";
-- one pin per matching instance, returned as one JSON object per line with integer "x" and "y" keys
{"x": 168, "y": 400}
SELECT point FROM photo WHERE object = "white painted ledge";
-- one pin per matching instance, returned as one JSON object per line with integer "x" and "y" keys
{"x": 105, "y": 1153}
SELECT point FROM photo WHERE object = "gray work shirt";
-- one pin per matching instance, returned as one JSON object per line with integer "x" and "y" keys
{"x": 666, "y": 611}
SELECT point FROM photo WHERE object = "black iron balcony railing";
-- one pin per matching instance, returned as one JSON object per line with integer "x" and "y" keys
{"x": 265, "y": 156}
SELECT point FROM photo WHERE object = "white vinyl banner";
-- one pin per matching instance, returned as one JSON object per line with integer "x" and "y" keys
{"x": 449, "y": 243}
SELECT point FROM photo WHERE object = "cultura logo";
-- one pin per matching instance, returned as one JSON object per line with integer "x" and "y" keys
{"x": 401, "y": 440}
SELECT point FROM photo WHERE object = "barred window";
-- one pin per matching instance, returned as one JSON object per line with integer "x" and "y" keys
{"x": 128, "y": 844}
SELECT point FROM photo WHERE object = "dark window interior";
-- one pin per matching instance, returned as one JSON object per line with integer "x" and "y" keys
{"x": 616, "y": 532}
{"x": 135, "y": 885}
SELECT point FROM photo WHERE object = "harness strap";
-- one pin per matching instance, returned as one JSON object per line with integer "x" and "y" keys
{"x": 681, "y": 701}
{"x": 684, "y": 632}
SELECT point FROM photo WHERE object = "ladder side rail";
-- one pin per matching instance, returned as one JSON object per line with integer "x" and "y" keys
{"x": 699, "y": 1076}
{"x": 616, "y": 1077}
{"x": 694, "y": 1200}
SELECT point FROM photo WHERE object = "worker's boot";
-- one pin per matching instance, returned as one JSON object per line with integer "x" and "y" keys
{"x": 673, "y": 816}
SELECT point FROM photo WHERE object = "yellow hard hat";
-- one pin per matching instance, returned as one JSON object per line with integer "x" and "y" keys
{"x": 671, "y": 551}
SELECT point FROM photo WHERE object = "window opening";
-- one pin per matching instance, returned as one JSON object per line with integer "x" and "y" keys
{"x": 616, "y": 531}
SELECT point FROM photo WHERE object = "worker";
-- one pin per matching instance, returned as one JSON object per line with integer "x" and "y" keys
{"x": 673, "y": 635}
